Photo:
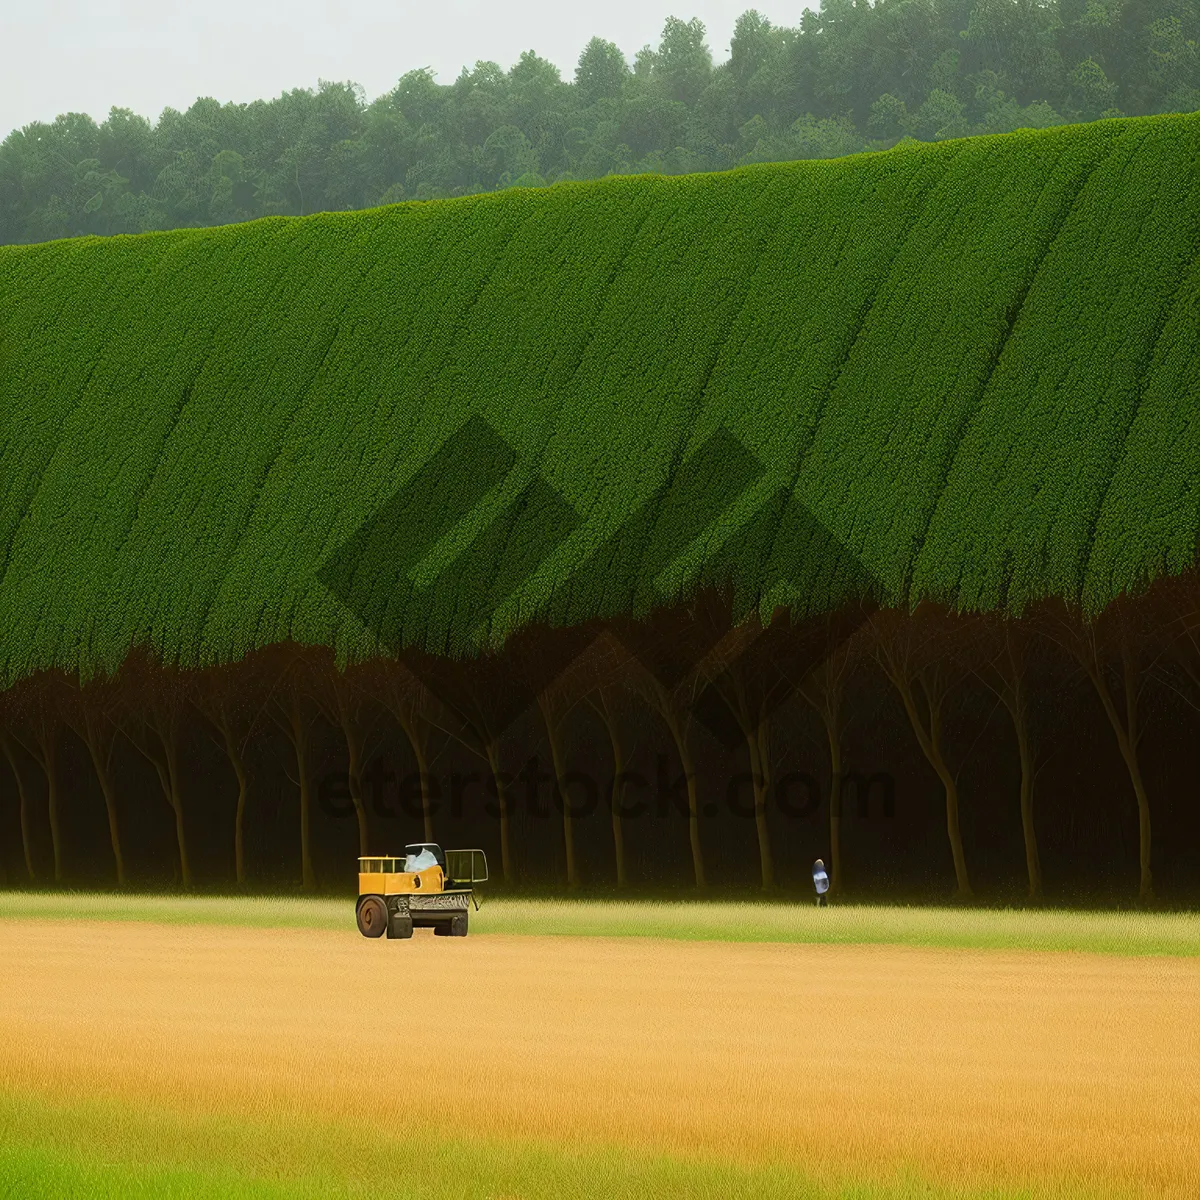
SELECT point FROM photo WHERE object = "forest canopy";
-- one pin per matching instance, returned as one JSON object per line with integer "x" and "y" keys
{"x": 964, "y": 372}
{"x": 467, "y": 470}
{"x": 850, "y": 77}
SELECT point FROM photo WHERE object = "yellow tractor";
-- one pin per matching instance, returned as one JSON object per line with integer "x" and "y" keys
{"x": 425, "y": 888}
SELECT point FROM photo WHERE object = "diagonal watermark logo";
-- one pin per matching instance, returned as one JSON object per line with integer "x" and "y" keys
{"x": 376, "y": 573}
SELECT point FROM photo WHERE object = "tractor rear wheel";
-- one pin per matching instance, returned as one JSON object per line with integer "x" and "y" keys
{"x": 455, "y": 927}
{"x": 372, "y": 916}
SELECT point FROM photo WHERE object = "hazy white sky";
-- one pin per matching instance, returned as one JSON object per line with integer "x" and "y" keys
{"x": 88, "y": 55}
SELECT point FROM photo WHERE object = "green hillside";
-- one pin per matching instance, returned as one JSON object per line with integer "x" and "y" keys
{"x": 968, "y": 371}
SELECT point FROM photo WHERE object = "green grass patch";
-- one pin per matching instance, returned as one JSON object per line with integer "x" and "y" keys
{"x": 101, "y": 1149}
{"x": 1130, "y": 933}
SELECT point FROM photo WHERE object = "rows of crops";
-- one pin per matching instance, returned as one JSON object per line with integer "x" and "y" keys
{"x": 968, "y": 370}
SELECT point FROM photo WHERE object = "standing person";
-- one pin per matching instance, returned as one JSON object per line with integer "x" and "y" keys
{"x": 820, "y": 882}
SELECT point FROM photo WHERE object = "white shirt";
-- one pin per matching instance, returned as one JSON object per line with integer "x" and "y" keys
{"x": 418, "y": 862}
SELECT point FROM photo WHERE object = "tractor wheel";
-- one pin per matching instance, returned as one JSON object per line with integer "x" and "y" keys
{"x": 372, "y": 916}
{"x": 400, "y": 925}
{"x": 455, "y": 927}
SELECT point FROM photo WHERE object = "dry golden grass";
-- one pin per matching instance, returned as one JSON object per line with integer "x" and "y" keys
{"x": 962, "y": 1065}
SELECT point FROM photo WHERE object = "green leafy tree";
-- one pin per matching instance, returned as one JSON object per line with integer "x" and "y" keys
{"x": 683, "y": 64}
{"x": 846, "y": 77}
{"x": 942, "y": 116}
{"x": 1092, "y": 95}
{"x": 602, "y": 72}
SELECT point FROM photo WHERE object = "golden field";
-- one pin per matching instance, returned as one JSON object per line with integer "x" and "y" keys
{"x": 1049, "y": 1070}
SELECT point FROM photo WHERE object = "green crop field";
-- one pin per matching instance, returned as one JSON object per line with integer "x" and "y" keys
{"x": 105, "y": 1151}
{"x": 967, "y": 371}
{"x": 1176, "y": 934}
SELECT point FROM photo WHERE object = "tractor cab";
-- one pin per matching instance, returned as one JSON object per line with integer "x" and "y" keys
{"x": 425, "y": 887}
{"x": 418, "y": 851}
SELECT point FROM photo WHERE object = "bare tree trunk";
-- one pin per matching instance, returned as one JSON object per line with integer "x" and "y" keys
{"x": 165, "y": 762}
{"x": 1128, "y": 735}
{"x": 239, "y": 820}
{"x": 175, "y": 796}
{"x": 418, "y": 735}
{"x": 297, "y": 728}
{"x": 1146, "y": 880}
{"x": 1012, "y": 693}
{"x": 354, "y": 755}
{"x": 554, "y": 734}
{"x": 757, "y": 735}
{"x": 52, "y": 805}
{"x": 101, "y": 755}
{"x": 950, "y": 784}
{"x": 234, "y": 753}
{"x": 693, "y": 814}
{"x": 23, "y": 797}
{"x": 835, "y": 807}
{"x": 492, "y": 750}
{"x": 43, "y": 746}
{"x": 168, "y": 778}
{"x": 420, "y": 751}
{"x": 1033, "y": 864}
{"x": 758, "y": 742}
{"x": 955, "y": 833}
{"x": 616, "y": 792}
{"x": 234, "y": 713}
{"x": 167, "y": 769}
{"x": 679, "y": 736}
{"x": 165, "y": 724}
{"x": 824, "y": 690}
{"x": 929, "y": 738}
{"x": 616, "y": 800}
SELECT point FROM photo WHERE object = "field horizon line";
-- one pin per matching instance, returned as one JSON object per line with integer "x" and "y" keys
{"x": 745, "y": 920}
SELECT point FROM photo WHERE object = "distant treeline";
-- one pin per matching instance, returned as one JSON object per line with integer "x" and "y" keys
{"x": 852, "y": 77}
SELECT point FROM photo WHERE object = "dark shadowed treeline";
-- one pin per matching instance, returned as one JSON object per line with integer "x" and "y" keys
{"x": 920, "y": 754}
{"x": 850, "y": 77}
